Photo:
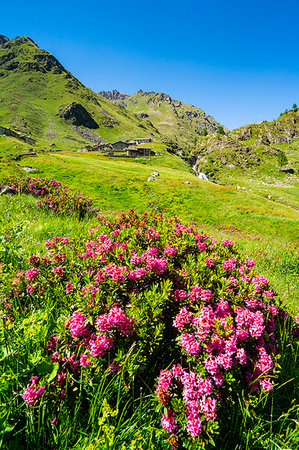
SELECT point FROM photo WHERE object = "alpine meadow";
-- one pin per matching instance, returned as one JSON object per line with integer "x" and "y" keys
{"x": 149, "y": 268}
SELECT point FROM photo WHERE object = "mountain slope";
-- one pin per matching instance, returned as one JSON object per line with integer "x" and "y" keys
{"x": 174, "y": 119}
{"x": 36, "y": 91}
{"x": 249, "y": 157}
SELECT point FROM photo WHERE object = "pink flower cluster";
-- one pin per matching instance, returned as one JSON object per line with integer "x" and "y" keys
{"x": 33, "y": 392}
{"x": 76, "y": 325}
{"x": 197, "y": 395}
{"x": 53, "y": 196}
{"x": 221, "y": 337}
{"x": 115, "y": 319}
{"x": 31, "y": 274}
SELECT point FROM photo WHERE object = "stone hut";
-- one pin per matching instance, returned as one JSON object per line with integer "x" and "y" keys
{"x": 119, "y": 145}
{"x": 140, "y": 151}
{"x": 138, "y": 141}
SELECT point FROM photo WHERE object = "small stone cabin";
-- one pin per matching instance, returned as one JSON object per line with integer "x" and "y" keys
{"x": 138, "y": 141}
{"x": 98, "y": 148}
{"x": 119, "y": 145}
{"x": 140, "y": 151}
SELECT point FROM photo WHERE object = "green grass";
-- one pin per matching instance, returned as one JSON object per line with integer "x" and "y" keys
{"x": 116, "y": 418}
{"x": 269, "y": 230}
{"x": 265, "y": 230}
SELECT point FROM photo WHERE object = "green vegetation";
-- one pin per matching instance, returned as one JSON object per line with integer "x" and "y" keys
{"x": 172, "y": 118}
{"x": 282, "y": 159}
{"x": 247, "y": 159}
{"x": 87, "y": 406}
{"x": 254, "y": 203}
{"x": 33, "y": 96}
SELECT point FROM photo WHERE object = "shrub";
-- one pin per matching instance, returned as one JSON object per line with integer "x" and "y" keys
{"x": 150, "y": 298}
{"x": 282, "y": 160}
{"x": 54, "y": 197}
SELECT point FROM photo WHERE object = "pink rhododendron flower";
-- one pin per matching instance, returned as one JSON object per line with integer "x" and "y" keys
{"x": 100, "y": 345}
{"x": 76, "y": 324}
{"x": 168, "y": 422}
{"x": 33, "y": 392}
{"x": 194, "y": 427}
{"x": 31, "y": 274}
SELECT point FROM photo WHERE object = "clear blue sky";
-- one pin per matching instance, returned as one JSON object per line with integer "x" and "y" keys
{"x": 237, "y": 60}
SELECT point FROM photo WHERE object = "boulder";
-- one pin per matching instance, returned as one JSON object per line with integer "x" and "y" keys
{"x": 29, "y": 169}
{"x": 79, "y": 116}
{"x": 7, "y": 190}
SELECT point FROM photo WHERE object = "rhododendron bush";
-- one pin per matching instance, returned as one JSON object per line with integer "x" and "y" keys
{"x": 53, "y": 196}
{"x": 148, "y": 296}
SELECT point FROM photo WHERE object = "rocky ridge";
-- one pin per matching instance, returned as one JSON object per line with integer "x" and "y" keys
{"x": 173, "y": 118}
{"x": 33, "y": 58}
{"x": 39, "y": 96}
{"x": 247, "y": 146}
{"x": 114, "y": 95}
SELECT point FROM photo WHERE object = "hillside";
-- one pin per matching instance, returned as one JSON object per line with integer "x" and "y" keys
{"x": 176, "y": 120}
{"x": 142, "y": 306}
{"x": 248, "y": 158}
{"x": 41, "y": 98}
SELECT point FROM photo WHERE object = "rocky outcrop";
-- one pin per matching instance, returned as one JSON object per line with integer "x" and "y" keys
{"x": 7, "y": 190}
{"x": 79, "y": 116}
{"x": 247, "y": 146}
{"x": 3, "y": 39}
{"x": 113, "y": 95}
{"x": 91, "y": 136}
{"x": 177, "y": 119}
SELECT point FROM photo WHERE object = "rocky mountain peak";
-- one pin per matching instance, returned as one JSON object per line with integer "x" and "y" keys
{"x": 114, "y": 95}
{"x": 22, "y": 53}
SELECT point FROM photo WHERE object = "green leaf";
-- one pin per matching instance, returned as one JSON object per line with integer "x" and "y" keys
{"x": 54, "y": 372}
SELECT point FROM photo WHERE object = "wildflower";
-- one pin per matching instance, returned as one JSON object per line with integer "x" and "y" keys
{"x": 183, "y": 318}
{"x": 210, "y": 262}
{"x": 194, "y": 427}
{"x": 209, "y": 407}
{"x": 33, "y": 392}
{"x": 76, "y": 324}
{"x": 168, "y": 422}
{"x": 164, "y": 381}
{"x": 100, "y": 345}
{"x": 31, "y": 274}
{"x": 84, "y": 360}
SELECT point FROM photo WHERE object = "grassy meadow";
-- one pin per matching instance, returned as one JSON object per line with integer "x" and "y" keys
{"x": 260, "y": 226}
{"x": 113, "y": 411}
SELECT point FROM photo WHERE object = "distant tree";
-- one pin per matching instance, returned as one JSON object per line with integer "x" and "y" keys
{"x": 294, "y": 106}
{"x": 220, "y": 130}
{"x": 204, "y": 132}
{"x": 282, "y": 160}
{"x": 172, "y": 146}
